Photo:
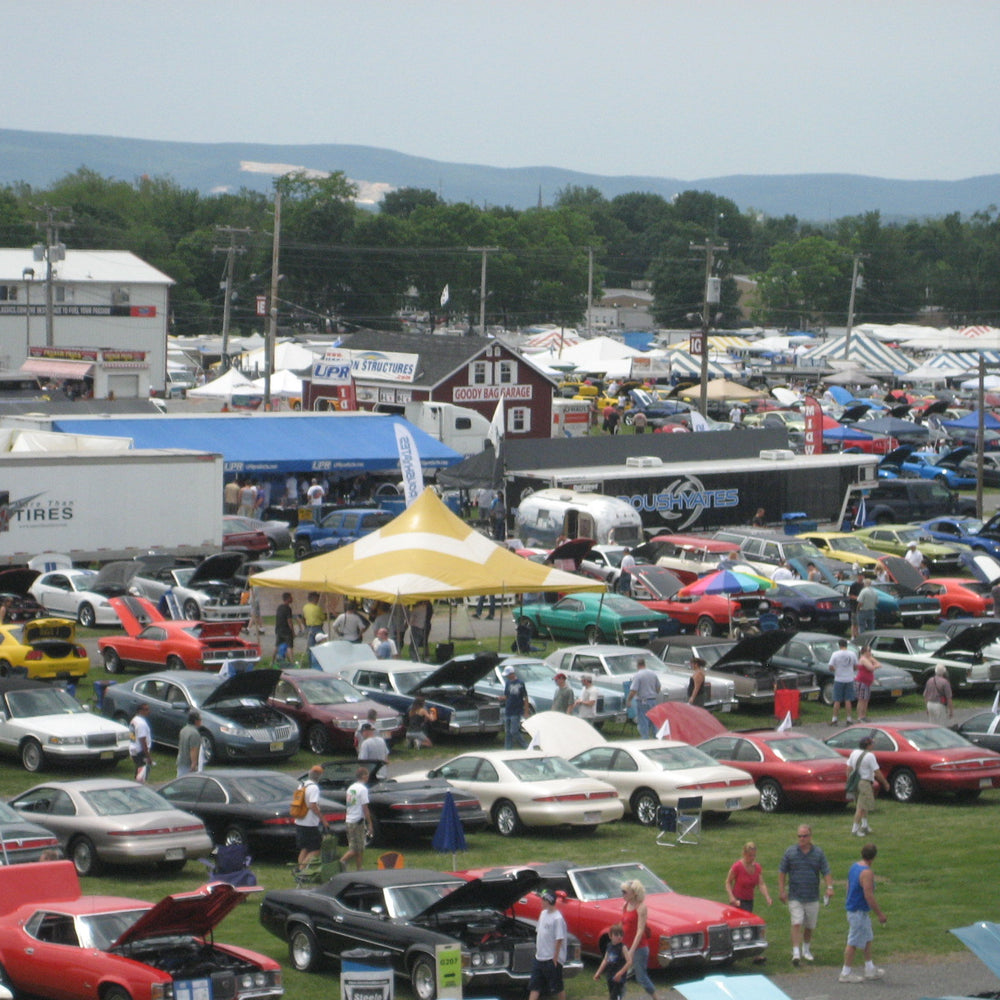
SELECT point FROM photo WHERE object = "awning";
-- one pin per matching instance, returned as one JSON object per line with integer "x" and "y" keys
{"x": 55, "y": 368}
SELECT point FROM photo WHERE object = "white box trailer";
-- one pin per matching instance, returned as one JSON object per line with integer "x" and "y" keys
{"x": 101, "y": 506}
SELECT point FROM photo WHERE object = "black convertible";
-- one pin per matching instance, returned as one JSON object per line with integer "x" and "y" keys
{"x": 401, "y": 810}
{"x": 407, "y": 912}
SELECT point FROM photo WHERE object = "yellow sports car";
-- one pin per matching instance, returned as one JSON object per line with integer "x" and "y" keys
{"x": 845, "y": 547}
{"x": 46, "y": 648}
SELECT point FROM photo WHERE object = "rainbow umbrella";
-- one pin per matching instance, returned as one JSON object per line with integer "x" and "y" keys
{"x": 727, "y": 581}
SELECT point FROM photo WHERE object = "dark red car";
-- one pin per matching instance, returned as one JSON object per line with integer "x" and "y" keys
{"x": 788, "y": 768}
{"x": 152, "y": 642}
{"x": 919, "y": 757}
{"x": 236, "y": 538}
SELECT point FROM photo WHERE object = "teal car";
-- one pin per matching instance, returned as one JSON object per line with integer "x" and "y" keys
{"x": 595, "y": 618}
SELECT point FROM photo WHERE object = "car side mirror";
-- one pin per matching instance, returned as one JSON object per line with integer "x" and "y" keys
{"x": 379, "y": 911}
{"x": 433, "y": 773}
{"x": 294, "y": 702}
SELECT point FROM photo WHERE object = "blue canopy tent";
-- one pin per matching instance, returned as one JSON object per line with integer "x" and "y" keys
{"x": 971, "y": 422}
{"x": 334, "y": 443}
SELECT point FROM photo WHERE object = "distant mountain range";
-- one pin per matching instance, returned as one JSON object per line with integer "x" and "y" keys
{"x": 40, "y": 158}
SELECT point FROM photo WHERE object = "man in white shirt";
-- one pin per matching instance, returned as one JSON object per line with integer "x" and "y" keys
{"x": 383, "y": 647}
{"x": 915, "y": 557}
{"x": 627, "y": 568}
{"x": 843, "y": 663}
{"x": 550, "y": 951}
{"x": 315, "y": 495}
{"x": 783, "y": 573}
{"x": 586, "y": 705}
{"x": 863, "y": 761}
{"x": 359, "y": 820}
{"x": 308, "y": 828}
{"x": 140, "y": 747}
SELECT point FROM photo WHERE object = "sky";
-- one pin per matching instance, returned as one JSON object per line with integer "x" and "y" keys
{"x": 688, "y": 89}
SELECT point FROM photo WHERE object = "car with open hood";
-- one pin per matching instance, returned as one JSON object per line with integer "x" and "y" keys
{"x": 45, "y": 648}
{"x": 15, "y": 593}
{"x": 56, "y": 942}
{"x": 153, "y": 642}
{"x": 688, "y": 556}
{"x": 210, "y": 591}
{"x": 957, "y": 597}
{"x": 449, "y": 690}
{"x": 81, "y": 594}
{"x": 408, "y": 912}
{"x": 237, "y": 724}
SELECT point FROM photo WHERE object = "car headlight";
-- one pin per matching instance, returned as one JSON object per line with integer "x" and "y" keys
{"x": 65, "y": 741}
{"x": 683, "y": 942}
{"x": 231, "y": 729}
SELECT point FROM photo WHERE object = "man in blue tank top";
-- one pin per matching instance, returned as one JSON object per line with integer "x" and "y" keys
{"x": 860, "y": 905}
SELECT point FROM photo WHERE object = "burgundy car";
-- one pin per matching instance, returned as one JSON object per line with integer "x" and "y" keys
{"x": 788, "y": 768}
{"x": 236, "y": 537}
{"x": 919, "y": 757}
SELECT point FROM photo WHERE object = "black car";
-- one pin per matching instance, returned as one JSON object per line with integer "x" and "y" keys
{"x": 401, "y": 810}
{"x": 409, "y": 912}
{"x": 21, "y": 606}
{"x": 247, "y": 806}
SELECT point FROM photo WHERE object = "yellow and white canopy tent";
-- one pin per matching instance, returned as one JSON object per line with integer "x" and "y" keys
{"x": 426, "y": 553}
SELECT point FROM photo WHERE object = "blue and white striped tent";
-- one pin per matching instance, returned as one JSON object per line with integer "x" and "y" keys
{"x": 683, "y": 363}
{"x": 870, "y": 354}
{"x": 961, "y": 361}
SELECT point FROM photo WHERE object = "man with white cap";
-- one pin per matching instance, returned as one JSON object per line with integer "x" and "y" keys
{"x": 516, "y": 707}
{"x": 550, "y": 951}
{"x": 914, "y": 557}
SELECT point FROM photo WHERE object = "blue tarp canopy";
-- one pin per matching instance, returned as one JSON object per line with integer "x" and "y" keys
{"x": 333, "y": 443}
{"x": 971, "y": 421}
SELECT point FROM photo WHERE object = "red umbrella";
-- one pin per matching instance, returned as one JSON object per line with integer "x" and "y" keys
{"x": 688, "y": 723}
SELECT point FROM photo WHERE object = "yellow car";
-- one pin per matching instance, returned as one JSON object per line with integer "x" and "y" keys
{"x": 45, "y": 648}
{"x": 843, "y": 546}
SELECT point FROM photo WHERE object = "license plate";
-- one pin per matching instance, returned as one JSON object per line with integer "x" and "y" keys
{"x": 897, "y": 692}
{"x": 173, "y": 854}
{"x": 107, "y": 754}
{"x": 732, "y": 803}
{"x": 844, "y": 617}
{"x": 277, "y": 746}
{"x": 593, "y": 816}
{"x": 985, "y": 782}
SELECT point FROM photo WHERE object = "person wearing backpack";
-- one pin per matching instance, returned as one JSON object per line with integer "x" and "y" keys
{"x": 309, "y": 825}
{"x": 863, "y": 771}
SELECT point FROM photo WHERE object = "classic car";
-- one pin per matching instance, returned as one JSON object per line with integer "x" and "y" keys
{"x": 44, "y": 648}
{"x": 153, "y": 642}
{"x": 15, "y": 594}
{"x": 686, "y": 930}
{"x": 206, "y": 592}
{"x": 940, "y": 554}
{"x": 81, "y": 594}
{"x": 844, "y": 546}
{"x": 401, "y": 809}
{"x": 593, "y": 618}
{"x": 527, "y": 788}
{"x": 59, "y": 943}
{"x": 789, "y": 768}
{"x": 409, "y": 912}
{"x": 329, "y": 711}
{"x": 240, "y": 535}
{"x": 279, "y": 532}
{"x": 448, "y": 689}
{"x": 246, "y": 806}
{"x": 44, "y": 725}
{"x": 921, "y": 758}
{"x": 659, "y": 590}
{"x": 961, "y": 531}
{"x": 907, "y": 461}
{"x": 22, "y": 841}
{"x": 687, "y": 556}
{"x": 237, "y": 724}
{"x": 959, "y": 597}
{"x": 112, "y": 821}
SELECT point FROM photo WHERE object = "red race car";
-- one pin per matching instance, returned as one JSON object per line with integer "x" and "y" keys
{"x": 686, "y": 930}
{"x": 57, "y": 943}
{"x": 788, "y": 768}
{"x": 152, "y": 642}
{"x": 920, "y": 757}
{"x": 959, "y": 597}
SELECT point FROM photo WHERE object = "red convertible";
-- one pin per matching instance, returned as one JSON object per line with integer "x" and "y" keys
{"x": 152, "y": 642}
{"x": 686, "y": 930}
{"x": 57, "y": 943}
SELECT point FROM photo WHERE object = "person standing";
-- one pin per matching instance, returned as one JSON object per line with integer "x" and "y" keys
{"x": 481, "y": 603}
{"x": 843, "y": 663}
{"x": 586, "y": 705}
{"x": 867, "y": 603}
{"x": 498, "y": 517}
{"x": 783, "y": 573}
{"x": 640, "y": 421}
{"x": 359, "y": 820}
{"x": 645, "y": 690}
{"x": 140, "y": 747}
{"x": 863, "y": 680}
{"x": 864, "y": 762}
{"x": 314, "y": 617}
{"x": 349, "y": 625}
{"x": 759, "y": 519}
{"x": 938, "y": 696}
{"x": 309, "y": 828}
{"x": 383, "y": 647}
{"x": 916, "y": 558}
{"x": 563, "y": 700}
{"x": 284, "y": 630}
{"x": 418, "y": 721}
{"x": 373, "y": 746}
{"x": 802, "y": 867}
{"x": 516, "y": 708}
{"x": 420, "y": 626}
{"x": 697, "y": 691}
{"x": 612, "y": 961}
{"x": 550, "y": 951}
{"x": 626, "y": 569}
{"x": 744, "y": 877}
{"x": 315, "y": 495}
{"x": 189, "y": 745}
{"x": 231, "y": 497}
{"x": 291, "y": 491}
{"x": 860, "y": 904}
{"x": 636, "y": 936}
{"x": 248, "y": 498}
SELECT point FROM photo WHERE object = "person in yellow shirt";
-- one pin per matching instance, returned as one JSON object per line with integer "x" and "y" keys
{"x": 314, "y": 617}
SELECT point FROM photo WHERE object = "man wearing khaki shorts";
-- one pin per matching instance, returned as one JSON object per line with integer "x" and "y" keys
{"x": 802, "y": 865}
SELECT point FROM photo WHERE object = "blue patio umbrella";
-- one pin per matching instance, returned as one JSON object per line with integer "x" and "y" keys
{"x": 449, "y": 835}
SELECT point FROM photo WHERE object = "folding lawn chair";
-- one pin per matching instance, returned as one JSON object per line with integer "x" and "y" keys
{"x": 682, "y": 824}
{"x": 230, "y": 863}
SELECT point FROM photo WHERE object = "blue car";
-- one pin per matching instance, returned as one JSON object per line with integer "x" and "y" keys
{"x": 964, "y": 531}
{"x": 905, "y": 461}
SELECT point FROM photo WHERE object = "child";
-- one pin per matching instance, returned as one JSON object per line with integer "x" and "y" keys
{"x": 612, "y": 962}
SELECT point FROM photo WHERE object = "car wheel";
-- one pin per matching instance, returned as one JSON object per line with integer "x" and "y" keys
{"x": 85, "y": 616}
{"x": 112, "y": 662}
{"x": 318, "y": 739}
{"x": 303, "y": 951}
{"x": 271, "y": 549}
{"x": 904, "y": 785}
{"x": 789, "y": 619}
{"x": 116, "y": 993}
{"x": 32, "y": 757}
{"x": 121, "y": 718}
{"x": 827, "y": 693}
{"x": 174, "y": 663}
{"x": 771, "y": 795}
{"x": 953, "y": 612}
{"x": 234, "y": 834}
{"x": 506, "y": 819}
{"x": 423, "y": 978}
{"x": 191, "y": 610}
{"x": 705, "y": 626}
{"x": 593, "y": 635}
{"x": 527, "y": 625}
{"x": 83, "y": 854}
{"x": 645, "y": 807}
{"x": 208, "y": 747}
{"x": 5, "y": 668}
{"x": 629, "y": 419}
{"x": 302, "y": 550}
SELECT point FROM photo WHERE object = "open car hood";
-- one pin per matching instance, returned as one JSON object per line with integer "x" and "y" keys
{"x": 222, "y": 566}
{"x": 17, "y": 581}
{"x": 460, "y": 671}
{"x": 116, "y": 575}
{"x": 954, "y": 458}
{"x": 897, "y": 456}
{"x": 983, "y": 940}
{"x": 969, "y": 640}
{"x": 755, "y": 648}
{"x": 658, "y": 580}
{"x": 562, "y": 734}
{"x": 495, "y": 892}
{"x": 902, "y": 572}
{"x": 985, "y": 568}
{"x": 259, "y": 684}
{"x": 186, "y": 913}
{"x": 576, "y": 549}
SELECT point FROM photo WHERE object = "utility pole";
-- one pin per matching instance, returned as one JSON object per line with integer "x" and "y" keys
{"x": 49, "y": 251}
{"x": 231, "y": 251}
{"x": 712, "y": 296}
{"x": 482, "y": 286}
{"x": 272, "y": 326}
{"x": 590, "y": 291}
{"x": 850, "y": 304}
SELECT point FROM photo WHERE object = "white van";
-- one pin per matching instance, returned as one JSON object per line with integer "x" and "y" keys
{"x": 544, "y": 516}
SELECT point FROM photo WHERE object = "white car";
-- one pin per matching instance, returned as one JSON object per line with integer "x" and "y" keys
{"x": 525, "y": 788}
{"x": 40, "y": 723}
{"x": 80, "y": 594}
{"x": 207, "y": 592}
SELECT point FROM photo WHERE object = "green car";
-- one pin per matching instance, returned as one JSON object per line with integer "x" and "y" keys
{"x": 942, "y": 559}
{"x": 595, "y": 618}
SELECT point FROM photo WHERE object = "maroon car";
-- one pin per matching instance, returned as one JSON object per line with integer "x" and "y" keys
{"x": 236, "y": 538}
{"x": 788, "y": 768}
{"x": 329, "y": 711}
{"x": 919, "y": 757}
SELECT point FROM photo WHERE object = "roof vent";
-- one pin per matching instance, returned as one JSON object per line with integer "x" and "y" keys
{"x": 777, "y": 455}
{"x": 643, "y": 462}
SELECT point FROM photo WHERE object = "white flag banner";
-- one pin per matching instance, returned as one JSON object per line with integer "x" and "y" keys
{"x": 996, "y": 703}
{"x": 496, "y": 432}
{"x": 786, "y": 723}
{"x": 445, "y": 294}
{"x": 663, "y": 733}
{"x": 698, "y": 422}
{"x": 409, "y": 464}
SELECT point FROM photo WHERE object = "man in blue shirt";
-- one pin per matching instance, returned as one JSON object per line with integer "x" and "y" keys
{"x": 515, "y": 708}
{"x": 859, "y": 905}
{"x": 802, "y": 865}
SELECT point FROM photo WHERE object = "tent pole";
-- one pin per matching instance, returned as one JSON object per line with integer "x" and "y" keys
{"x": 503, "y": 594}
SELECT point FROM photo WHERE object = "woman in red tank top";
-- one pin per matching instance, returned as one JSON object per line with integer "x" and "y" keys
{"x": 636, "y": 937}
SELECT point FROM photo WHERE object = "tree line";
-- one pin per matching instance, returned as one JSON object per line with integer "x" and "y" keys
{"x": 343, "y": 265}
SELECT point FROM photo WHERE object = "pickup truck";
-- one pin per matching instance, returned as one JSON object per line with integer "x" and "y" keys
{"x": 336, "y": 529}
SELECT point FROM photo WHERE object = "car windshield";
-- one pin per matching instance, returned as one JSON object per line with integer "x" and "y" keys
{"x": 125, "y": 799}
{"x": 678, "y": 758}
{"x": 183, "y": 575}
{"x": 406, "y": 901}
{"x": 801, "y": 550}
{"x": 847, "y": 544}
{"x": 101, "y": 930}
{"x": 606, "y": 882}
{"x": 802, "y": 748}
{"x": 407, "y": 681}
{"x": 928, "y": 643}
{"x": 625, "y": 663}
{"x": 542, "y": 769}
{"x": 275, "y": 787}
{"x": 935, "y": 738}
{"x": 909, "y": 535}
{"x": 322, "y": 690}
{"x": 34, "y": 702}
{"x": 625, "y": 606}
{"x": 534, "y": 670}
{"x": 9, "y": 815}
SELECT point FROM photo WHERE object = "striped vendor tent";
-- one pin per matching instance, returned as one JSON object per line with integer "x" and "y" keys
{"x": 961, "y": 361}
{"x": 874, "y": 356}
{"x": 683, "y": 363}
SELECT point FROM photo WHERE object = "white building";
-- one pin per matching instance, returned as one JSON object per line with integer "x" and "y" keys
{"x": 109, "y": 319}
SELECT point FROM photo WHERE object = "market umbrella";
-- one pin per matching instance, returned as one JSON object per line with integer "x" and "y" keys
{"x": 726, "y": 581}
{"x": 449, "y": 835}
{"x": 892, "y": 427}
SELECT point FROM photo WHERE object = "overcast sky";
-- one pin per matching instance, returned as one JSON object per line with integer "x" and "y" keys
{"x": 675, "y": 88}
